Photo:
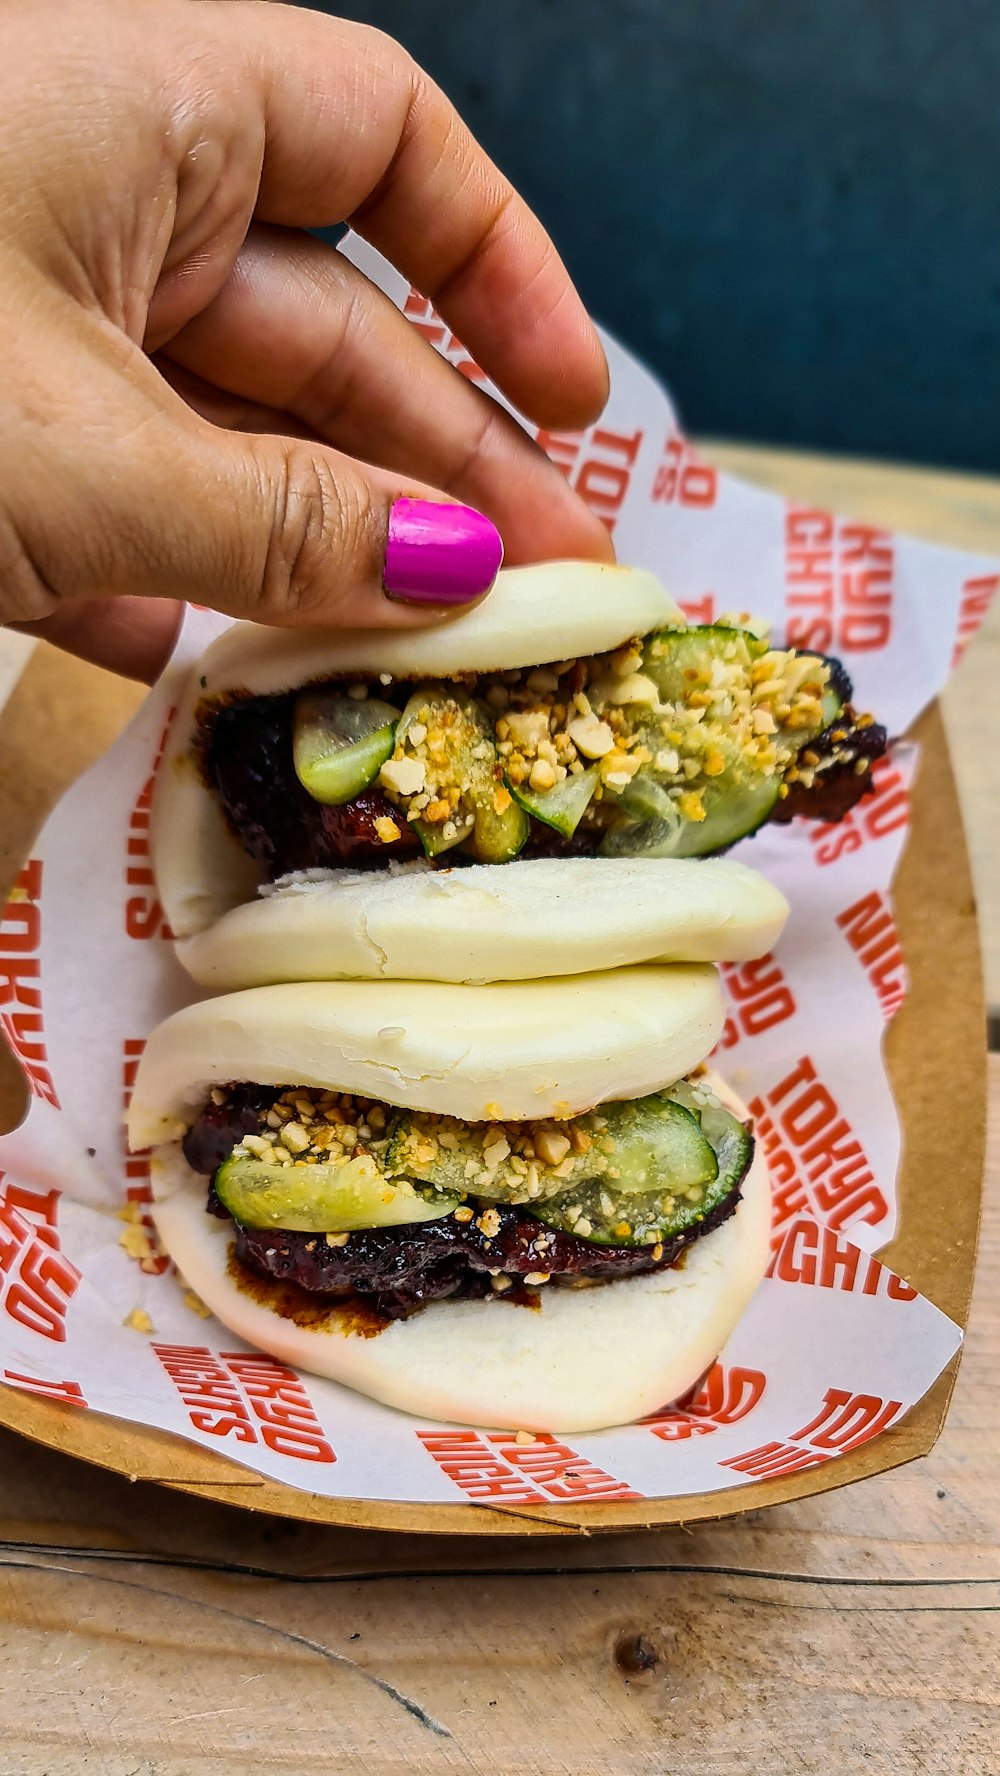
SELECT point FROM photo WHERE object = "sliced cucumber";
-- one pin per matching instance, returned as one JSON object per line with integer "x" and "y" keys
{"x": 435, "y": 840}
{"x": 654, "y": 1138}
{"x": 613, "y": 1214}
{"x": 735, "y": 805}
{"x": 830, "y": 707}
{"x": 646, "y": 798}
{"x": 632, "y": 1145}
{"x": 730, "y": 1139}
{"x": 323, "y": 1198}
{"x": 497, "y": 838}
{"x": 339, "y": 745}
{"x": 563, "y": 806}
{"x": 677, "y": 659}
{"x": 467, "y": 730}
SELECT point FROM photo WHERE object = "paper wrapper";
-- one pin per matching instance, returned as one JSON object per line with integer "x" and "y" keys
{"x": 834, "y": 1348}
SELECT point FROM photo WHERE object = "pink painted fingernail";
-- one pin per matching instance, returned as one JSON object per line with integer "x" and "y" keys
{"x": 438, "y": 554}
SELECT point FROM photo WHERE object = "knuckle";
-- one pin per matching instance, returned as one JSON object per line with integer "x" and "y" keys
{"x": 322, "y": 543}
{"x": 26, "y": 591}
{"x": 490, "y": 441}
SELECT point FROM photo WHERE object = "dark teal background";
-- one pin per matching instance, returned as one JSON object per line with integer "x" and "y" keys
{"x": 789, "y": 208}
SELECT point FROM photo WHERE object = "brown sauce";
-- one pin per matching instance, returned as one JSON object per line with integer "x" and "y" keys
{"x": 349, "y": 1317}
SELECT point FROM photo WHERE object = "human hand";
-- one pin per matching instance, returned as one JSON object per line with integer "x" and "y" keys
{"x": 200, "y": 400}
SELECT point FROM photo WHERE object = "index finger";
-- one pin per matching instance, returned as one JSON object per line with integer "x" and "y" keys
{"x": 356, "y": 131}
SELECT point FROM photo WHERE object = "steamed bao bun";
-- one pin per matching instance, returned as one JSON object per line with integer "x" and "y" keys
{"x": 513, "y": 921}
{"x": 509, "y": 1052}
{"x": 585, "y": 1358}
{"x": 489, "y": 922}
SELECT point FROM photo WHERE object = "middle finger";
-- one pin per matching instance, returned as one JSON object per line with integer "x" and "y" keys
{"x": 297, "y": 327}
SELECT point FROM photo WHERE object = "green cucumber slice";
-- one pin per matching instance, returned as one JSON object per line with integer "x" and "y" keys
{"x": 646, "y": 798}
{"x": 831, "y": 706}
{"x": 497, "y": 838}
{"x": 433, "y": 838}
{"x": 323, "y": 1198}
{"x": 563, "y": 806}
{"x": 615, "y": 1215}
{"x": 734, "y": 807}
{"x": 730, "y": 1139}
{"x": 631, "y": 1145}
{"x": 339, "y": 745}
{"x": 671, "y": 654}
{"x": 490, "y": 836}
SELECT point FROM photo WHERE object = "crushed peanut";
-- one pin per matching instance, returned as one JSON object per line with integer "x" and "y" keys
{"x": 551, "y": 1147}
{"x": 406, "y": 776}
{"x": 476, "y": 1167}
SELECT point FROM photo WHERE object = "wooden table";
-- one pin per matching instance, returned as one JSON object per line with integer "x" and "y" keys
{"x": 151, "y": 1634}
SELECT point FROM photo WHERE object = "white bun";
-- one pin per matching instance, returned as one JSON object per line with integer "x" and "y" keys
{"x": 586, "y": 1359}
{"x": 502, "y": 1052}
{"x": 490, "y": 922}
{"x": 533, "y": 615}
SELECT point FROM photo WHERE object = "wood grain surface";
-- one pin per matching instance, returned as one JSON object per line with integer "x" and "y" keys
{"x": 146, "y": 1634}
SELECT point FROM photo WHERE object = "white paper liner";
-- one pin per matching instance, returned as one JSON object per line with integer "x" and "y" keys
{"x": 833, "y": 1348}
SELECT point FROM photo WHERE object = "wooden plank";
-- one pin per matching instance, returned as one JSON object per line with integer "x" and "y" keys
{"x": 855, "y": 1633}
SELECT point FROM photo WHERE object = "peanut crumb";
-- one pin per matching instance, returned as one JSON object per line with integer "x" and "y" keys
{"x": 136, "y": 1242}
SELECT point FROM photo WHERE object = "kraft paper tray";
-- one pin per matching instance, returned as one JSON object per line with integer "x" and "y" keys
{"x": 61, "y": 717}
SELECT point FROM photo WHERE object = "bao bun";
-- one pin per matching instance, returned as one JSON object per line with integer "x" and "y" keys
{"x": 587, "y": 1357}
{"x": 514, "y": 921}
{"x": 583, "y": 1360}
{"x": 487, "y": 922}
{"x": 505, "y": 1052}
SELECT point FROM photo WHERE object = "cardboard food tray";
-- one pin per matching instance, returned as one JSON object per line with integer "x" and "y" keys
{"x": 60, "y": 718}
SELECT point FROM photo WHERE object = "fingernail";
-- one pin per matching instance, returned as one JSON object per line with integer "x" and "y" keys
{"x": 439, "y": 554}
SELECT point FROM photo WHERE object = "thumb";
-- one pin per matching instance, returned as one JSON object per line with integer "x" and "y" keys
{"x": 293, "y": 532}
{"x": 140, "y": 496}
